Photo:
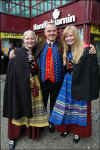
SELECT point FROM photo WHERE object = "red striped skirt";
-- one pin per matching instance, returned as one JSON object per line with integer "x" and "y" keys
{"x": 76, "y": 129}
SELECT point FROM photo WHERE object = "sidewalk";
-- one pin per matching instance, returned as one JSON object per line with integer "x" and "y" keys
{"x": 53, "y": 141}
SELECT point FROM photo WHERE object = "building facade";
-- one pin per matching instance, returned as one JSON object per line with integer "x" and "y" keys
{"x": 83, "y": 14}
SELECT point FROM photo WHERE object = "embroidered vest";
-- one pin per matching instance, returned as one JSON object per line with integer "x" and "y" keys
{"x": 49, "y": 65}
{"x": 57, "y": 61}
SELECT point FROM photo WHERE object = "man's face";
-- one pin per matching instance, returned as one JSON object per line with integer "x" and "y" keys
{"x": 51, "y": 32}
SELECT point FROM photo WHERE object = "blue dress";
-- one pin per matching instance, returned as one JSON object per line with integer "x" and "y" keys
{"x": 68, "y": 110}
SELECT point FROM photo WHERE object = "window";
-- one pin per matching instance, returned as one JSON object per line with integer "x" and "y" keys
{"x": 26, "y": 12}
{"x": 26, "y": 3}
{"x": 3, "y": 6}
{"x": 22, "y": 8}
{"x": 13, "y": 9}
{"x": 54, "y": 3}
{"x": 81, "y": 33}
{"x": 33, "y": 11}
{"x": 58, "y": 3}
{"x": 66, "y": 1}
{"x": 49, "y": 5}
{"x": 17, "y": 10}
{"x": 33, "y": 2}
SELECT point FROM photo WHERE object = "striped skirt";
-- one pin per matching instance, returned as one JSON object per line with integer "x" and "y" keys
{"x": 30, "y": 126}
{"x": 39, "y": 118}
{"x": 67, "y": 110}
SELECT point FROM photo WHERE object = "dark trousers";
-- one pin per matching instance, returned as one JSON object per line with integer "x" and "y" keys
{"x": 52, "y": 89}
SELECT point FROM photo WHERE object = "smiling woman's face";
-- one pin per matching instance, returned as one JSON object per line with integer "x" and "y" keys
{"x": 69, "y": 38}
{"x": 29, "y": 40}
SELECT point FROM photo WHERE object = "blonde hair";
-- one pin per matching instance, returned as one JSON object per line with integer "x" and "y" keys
{"x": 29, "y": 32}
{"x": 77, "y": 46}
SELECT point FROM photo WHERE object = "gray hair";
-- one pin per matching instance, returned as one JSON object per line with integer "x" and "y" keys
{"x": 50, "y": 23}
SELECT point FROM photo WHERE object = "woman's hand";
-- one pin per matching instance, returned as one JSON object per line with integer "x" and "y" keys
{"x": 12, "y": 54}
{"x": 92, "y": 49}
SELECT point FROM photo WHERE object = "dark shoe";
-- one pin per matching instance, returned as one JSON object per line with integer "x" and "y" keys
{"x": 76, "y": 139}
{"x": 51, "y": 128}
{"x": 64, "y": 134}
{"x": 11, "y": 144}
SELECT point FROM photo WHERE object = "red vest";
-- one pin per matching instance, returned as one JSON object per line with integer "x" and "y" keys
{"x": 49, "y": 65}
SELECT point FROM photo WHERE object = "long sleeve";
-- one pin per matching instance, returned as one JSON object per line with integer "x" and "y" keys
{"x": 94, "y": 74}
{"x": 85, "y": 78}
{"x": 9, "y": 91}
{"x": 17, "y": 93}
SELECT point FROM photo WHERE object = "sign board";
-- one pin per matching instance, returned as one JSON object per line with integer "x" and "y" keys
{"x": 58, "y": 21}
{"x": 5, "y": 35}
{"x": 95, "y": 29}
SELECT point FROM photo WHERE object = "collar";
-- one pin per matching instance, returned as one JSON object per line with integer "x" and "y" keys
{"x": 50, "y": 42}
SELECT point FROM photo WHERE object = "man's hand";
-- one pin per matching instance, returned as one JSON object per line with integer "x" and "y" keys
{"x": 12, "y": 54}
{"x": 92, "y": 49}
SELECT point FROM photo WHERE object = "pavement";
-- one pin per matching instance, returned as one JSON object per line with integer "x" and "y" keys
{"x": 53, "y": 141}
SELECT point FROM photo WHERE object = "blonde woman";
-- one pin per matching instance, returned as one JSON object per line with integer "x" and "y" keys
{"x": 73, "y": 105}
{"x": 23, "y": 104}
